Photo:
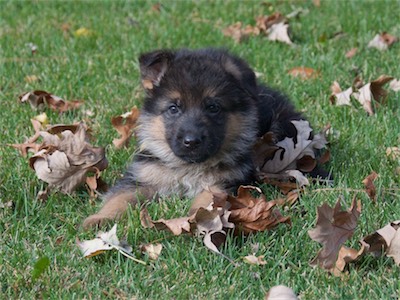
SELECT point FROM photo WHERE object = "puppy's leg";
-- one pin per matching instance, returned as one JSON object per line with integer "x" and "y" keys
{"x": 116, "y": 203}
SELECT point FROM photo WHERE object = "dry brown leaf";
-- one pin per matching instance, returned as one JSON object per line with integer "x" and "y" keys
{"x": 304, "y": 73}
{"x": 279, "y": 32}
{"x": 339, "y": 97}
{"x": 394, "y": 248}
{"x": 393, "y": 153}
{"x": 372, "y": 91}
{"x": 240, "y": 33}
{"x": 208, "y": 222}
{"x": 125, "y": 125}
{"x": 370, "y": 186}
{"x": 106, "y": 241}
{"x": 352, "y": 52}
{"x": 95, "y": 184}
{"x": 380, "y": 241}
{"x": 394, "y": 85}
{"x": 266, "y": 22}
{"x": 250, "y": 214}
{"x": 346, "y": 255}
{"x": 275, "y": 27}
{"x": 254, "y": 260}
{"x": 293, "y": 149}
{"x": 176, "y": 226}
{"x": 152, "y": 250}
{"x": 37, "y": 99}
{"x": 243, "y": 213}
{"x": 64, "y": 159}
{"x": 280, "y": 292}
{"x": 333, "y": 228}
{"x": 382, "y": 41}
{"x": 30, "y": 144}
{"x": 287, "y": 180}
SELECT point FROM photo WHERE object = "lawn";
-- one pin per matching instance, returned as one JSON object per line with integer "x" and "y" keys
{"x": 101, "y": 68}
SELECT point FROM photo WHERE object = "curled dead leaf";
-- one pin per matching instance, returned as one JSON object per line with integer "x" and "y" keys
{"x": 254, "y": 260}
{"x": 64, "y": 159}
{"x": 38, "y": 99}
{"x": 125, "y": 125}
{"x": 280, "y": 292}
{"x": 252, "y": 214}
{"x": 304, "y": 73}
{"x": 352, "y": 52}
{"x": 339, "y": 97}
{"x": 382, "y": 41}
{"x": 370, "y": 186}
{"x": 106, "y": 241}
{"x": 152, "y": 250}
{"x": 292, "y": 149}
{"x": 333, "y": 228}
{"x": 238, "y": 32}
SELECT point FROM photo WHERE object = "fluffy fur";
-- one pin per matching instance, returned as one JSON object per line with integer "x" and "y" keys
{"x": 202, "y": 113}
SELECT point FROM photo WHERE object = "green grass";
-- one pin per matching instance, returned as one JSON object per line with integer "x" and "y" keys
{"x": 102, "y": 69}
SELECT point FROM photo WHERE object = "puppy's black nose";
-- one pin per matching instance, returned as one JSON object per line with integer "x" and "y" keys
{"x": 191, "y": 141}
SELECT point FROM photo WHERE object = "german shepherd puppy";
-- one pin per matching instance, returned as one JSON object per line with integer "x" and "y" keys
{"x": 202, "y": 114}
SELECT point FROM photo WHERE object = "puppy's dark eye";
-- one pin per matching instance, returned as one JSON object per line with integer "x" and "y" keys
{"x": 213, "y": 108}
{"x": 173, "y": 109}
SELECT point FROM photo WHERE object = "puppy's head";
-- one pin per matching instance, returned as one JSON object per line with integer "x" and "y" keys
{"x": 203, "y": 102}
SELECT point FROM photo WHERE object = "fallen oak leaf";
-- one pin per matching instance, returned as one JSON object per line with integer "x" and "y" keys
{"x": 281, "y": 292}
{"x": 37, "y": 99}
{"x": 275, "y": 27}
{"x": 125, "y": 125}
{"x": 177, "y": 226}
{"x": 369, "y": 185}
{"x": 372, "y": 91}
{"x": 64, "y": 159}
{"x": 106, "y": 241}
{"x": 352, "y": 52}
{"x": 394, "y": 248}
{"x": 265, "y": 22}
{"x": 208, "y": 222}
{"x": 250, "y": 214}
{"x": 30, "y": 145}
{"x": 346, "y": 255}
{"x": 287, "y": 180}
{"x": 339, "y": 97}
{"x": 238, "y": 33}
{"x": 380, "y": 241}
{"x": 279, "y": 32}
{"x": 382, "y": 41}
{"x": 395, "y": 85}
{"x": 95, "y": 184}
{"x": 304, "y": 73}
{"x": 152, "y": 250}
{"x": 292, "y": 149}
{"x": 254, "y": 260}
{"x": 333, "y": 228}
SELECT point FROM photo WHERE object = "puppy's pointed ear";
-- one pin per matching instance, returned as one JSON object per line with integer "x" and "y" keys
{"x": 153, "y": 66}
{"x": 241, "y": 71}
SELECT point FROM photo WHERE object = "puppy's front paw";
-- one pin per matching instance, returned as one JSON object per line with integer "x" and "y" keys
{"x": 94, "y": 221}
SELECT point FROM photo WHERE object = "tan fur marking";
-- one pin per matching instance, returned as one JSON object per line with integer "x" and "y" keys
{"x": 173, "y": 95}
{"x": 231, "y": 68}
{"x": 112, "y": 209}
{"x": 116, "y": 205}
